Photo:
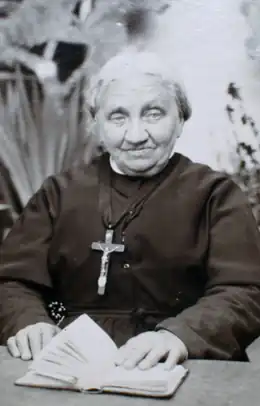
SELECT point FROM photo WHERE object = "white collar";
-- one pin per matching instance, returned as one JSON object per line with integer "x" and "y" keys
{"x": 114, "y": 166}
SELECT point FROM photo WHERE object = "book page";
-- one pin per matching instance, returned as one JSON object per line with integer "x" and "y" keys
{"x": 152, "y": 381}
{"x": 34, "y": 380}
{"x": 86, "y": 339}
{"x": 76, "y": 351}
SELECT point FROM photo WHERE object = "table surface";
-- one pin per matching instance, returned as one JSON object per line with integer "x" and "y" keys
{"x": 210, "y": 383}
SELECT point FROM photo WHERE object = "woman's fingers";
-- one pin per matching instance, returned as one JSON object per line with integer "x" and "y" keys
{"x": 35, "y": 340}
{"x": 152, "y": 358}
{"x": 134, "y": 357}
{"x": 48, "y": 334}
{"x": 133, "y": 352}
{"x": 174, "y": 358}
{"x": 28, "y": 342}
{"x": 12, "y": 347}
{"x": 148, "y": 349}
{"x": 22, "y": 341}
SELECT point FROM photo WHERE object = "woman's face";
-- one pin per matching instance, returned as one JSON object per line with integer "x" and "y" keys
{"x": 138, "y": 123}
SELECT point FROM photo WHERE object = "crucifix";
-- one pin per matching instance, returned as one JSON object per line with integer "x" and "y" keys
{"x": 107, "y": 248}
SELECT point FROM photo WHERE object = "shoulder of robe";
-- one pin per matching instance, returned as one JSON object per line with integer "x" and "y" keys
{"x": 203, "y": 177}
{"x": 73, "y": 176}
{"x": 54, "y": 187}
{"x": 222, "y": 193}
{"x": 217, "y": 189}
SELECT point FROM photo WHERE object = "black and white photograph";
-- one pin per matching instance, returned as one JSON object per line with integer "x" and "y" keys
{"x": 129, "y": 202}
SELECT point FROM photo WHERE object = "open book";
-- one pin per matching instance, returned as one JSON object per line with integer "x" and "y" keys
{"x": 81, "y": 357}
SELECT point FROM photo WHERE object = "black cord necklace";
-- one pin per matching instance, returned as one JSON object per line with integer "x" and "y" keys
{"x": 132, "y": 210}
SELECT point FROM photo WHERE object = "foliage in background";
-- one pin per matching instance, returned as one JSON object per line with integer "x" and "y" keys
{"x": 246, "y": 154}
{"x": 38, "y": 137}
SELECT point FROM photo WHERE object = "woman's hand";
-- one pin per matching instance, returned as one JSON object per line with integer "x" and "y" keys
{"x": 147, "y": 349}
{"x": 29, "y": 341}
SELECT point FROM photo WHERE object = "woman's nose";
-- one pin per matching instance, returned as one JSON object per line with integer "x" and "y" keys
{"x": 136, "y": 133}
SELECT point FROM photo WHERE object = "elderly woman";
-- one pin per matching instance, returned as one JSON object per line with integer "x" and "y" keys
{"x": 162, "y": 252}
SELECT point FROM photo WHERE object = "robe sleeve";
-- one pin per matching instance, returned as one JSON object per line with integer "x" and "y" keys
{"x": 227, "y": 318}
{"x": 24, "y": 278}
{"x": 20, "y": 306}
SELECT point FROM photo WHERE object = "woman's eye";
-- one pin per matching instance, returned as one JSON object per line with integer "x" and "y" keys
{"x": 154, "y": 114}
{"x": 117, "y": 118}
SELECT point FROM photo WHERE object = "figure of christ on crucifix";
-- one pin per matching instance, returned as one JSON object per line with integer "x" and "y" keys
{"x": 107, "y": 248}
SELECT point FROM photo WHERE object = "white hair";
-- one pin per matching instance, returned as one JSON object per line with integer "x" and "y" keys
{"x": 131, "y": 62}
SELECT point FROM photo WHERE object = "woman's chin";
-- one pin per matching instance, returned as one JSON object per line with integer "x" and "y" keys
{"x": 140, "y": 168}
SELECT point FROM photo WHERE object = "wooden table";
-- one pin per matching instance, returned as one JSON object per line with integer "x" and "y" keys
{"x": 210, "y": 383}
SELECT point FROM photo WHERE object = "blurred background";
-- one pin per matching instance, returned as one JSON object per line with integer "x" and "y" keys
{"x": 49, "y": 50}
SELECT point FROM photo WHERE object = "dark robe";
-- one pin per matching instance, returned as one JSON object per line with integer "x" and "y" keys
{"x": 191, "y": 264}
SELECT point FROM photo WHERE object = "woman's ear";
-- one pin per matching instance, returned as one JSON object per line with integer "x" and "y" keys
{"x": 183, "y": 103}
{"x": 180, "y": 127}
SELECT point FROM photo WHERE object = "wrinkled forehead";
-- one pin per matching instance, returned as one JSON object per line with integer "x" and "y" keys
{"x": 137, "y": 90}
